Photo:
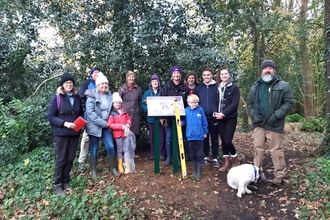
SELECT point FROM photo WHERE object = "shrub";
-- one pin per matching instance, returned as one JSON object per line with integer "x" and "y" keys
{"x": 23, "y": 127}
{"x": 294, "y": 118}
{"x": 314, "y": 125}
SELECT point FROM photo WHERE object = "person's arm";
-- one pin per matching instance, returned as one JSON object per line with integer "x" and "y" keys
{"x": 233, "y": 106}
{"x": 288, "y": 101}
{"x": 92, "y": 115}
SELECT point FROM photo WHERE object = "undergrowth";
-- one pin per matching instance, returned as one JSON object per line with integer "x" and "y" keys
{"x": 312, "y": 185}
{"x": 26, "y": 192}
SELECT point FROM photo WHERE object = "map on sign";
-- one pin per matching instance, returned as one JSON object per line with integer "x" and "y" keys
{"x": 164, "y": 105}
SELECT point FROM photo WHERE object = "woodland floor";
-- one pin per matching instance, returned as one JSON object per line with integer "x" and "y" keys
{"x": 168, "y": 196}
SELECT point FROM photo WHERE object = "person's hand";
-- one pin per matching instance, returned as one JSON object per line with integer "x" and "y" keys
{"x": 145, "y": 101}
{"x": 180, "y": 123}
{"x": 205, "y": 136}
{"x": 128, "y": 125}
{"x": 70, "y": 125}
{"x": 161, "y": 121}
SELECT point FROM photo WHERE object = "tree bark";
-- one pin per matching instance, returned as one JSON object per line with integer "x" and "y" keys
{"x": 306, "y": 67}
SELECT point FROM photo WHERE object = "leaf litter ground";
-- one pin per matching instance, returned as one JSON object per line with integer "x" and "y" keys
{"x": 168, "y": 196}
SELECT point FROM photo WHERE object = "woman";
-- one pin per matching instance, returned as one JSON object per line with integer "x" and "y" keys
{"x": 154, "y": 90}
{"x": 174, "y": 87}
{"x": 98, "y": 106}
{"x": 228, "y": 96}
{"x": 131, "y": 95}
{"x": 63, "y": 110}
{"x": 192, "y": 82}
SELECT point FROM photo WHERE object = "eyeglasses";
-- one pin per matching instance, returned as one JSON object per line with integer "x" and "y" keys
{"x": 68, "y": 82}
{"x": 193, "y": 103}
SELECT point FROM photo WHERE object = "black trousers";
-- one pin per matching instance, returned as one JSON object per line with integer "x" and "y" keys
{"x": 213, "y": 132}
{"x": 227, "y": 128}
{"x": 66, "y": 148}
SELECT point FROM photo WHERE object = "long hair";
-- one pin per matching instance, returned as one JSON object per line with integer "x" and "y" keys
{"x": 218, "y": 79}
{"x": 187, "y": 76}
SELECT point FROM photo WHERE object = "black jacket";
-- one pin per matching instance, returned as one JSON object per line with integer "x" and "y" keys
{"x": 66, "y": 113}
{"x": 170, "y": 89}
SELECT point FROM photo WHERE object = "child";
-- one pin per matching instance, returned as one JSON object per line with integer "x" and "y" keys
{"x": 196, "y": 131}
{"x": 119, "y": 121}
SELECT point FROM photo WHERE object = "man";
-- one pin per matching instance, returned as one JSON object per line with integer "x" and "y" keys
{"x": 87, "y": 85}
{"x": 270, "y": 99}
{"x": 206, "y": 92}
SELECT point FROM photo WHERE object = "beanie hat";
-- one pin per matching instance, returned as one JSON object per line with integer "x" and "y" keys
{"x": 130, "y": 73}
{"x": 154, "y": 77}
{"x": 101, "y": 79}
{"x": 66, "y": 77}
{"x": 116, "y": 97}
{"x": 268, "y": 63}
{"x": 175, "y": 68}
{"x": 95, "y": 68}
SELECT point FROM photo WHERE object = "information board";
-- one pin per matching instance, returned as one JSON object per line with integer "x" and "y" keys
{"x": 164, "y": 105}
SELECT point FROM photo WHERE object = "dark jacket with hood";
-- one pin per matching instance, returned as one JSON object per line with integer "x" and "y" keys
{"x": 206, "y": 94}
{"x": 170, "y": 89}
{"x": 86, "y": 85}
{"x": 280, "y": 101}
{"x": 65, "y": 113}
{"x": 230, "y": 99}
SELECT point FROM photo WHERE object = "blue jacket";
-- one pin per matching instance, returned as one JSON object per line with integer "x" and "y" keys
{"x": 66, "y": 113}
{"x": 207, "y": 96}
{"x": 95, "y": 123}
{"x": 196, "y": 124}
{"x": 149, "y": 92}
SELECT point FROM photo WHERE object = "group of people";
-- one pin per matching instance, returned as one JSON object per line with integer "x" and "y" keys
{"x": 211, "y": 109}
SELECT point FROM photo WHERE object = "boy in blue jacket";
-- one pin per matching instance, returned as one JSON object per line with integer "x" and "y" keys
{"x": 196, "y": 131}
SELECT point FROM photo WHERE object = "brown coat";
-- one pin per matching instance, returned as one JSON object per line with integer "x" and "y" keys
{"x": 132, "y": 104}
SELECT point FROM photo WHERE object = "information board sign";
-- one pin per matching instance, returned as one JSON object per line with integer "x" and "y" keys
{"x": 164, "y": 105}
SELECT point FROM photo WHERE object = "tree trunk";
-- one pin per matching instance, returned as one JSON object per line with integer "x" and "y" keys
{"x": 325, "y": 146}
{"x": 306, "y": 67}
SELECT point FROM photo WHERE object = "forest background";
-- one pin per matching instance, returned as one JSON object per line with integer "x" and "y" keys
{"x": 39, "y": 40}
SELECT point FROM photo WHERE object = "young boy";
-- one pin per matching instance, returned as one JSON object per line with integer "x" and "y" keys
{"x": 196, "y": 131}
{"x": 119, "y": 121}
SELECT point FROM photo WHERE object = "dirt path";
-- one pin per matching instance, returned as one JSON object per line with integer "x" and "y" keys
{"x": 168, "y": 196}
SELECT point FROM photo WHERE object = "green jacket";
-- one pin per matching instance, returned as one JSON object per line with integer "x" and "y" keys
{"x": 280, "y": 102}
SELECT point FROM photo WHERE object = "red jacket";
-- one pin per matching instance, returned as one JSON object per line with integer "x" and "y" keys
{"x": 116, "y": 122}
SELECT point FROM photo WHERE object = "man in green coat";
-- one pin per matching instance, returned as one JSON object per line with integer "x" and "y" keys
{"x": 270, "y": 99}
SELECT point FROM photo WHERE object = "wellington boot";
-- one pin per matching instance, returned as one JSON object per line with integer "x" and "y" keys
{"x": 127, "y": 167}
{"x": 92, "y": 162}
{"x": 169, "y": 154}
{"x": 234, "y": 162}
{"x": 194, "y": 166}
{"x": 226, "y": 165}
{"x": 120, "y": 166}
{"x": 199, "y": 172}
{"x": 112, "y": 165}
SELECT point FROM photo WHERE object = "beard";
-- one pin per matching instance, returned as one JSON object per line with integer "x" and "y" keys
{"x": 268, "y": 77}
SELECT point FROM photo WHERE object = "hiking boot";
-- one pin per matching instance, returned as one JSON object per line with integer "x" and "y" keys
{"x": 215, "y": 163}
{"x": 277, "y": 181}
{"x": 162, "y": 158}
{"x": 67, "y": 187}
{"x": 136, "y": 156}
{"x": 58, "y": 190}
{"x": 80, "y": 166}
{"x": 151, "y": 158}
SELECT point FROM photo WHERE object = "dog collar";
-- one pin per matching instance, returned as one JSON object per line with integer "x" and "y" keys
{"x": 255, "y": 172}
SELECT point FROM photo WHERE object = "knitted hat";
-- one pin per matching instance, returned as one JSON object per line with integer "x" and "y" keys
{"x": 154, "y": 76}
{"x": 101, "y": 79}
{"x": 95, "y": 68}
{"x": 130, "y": 73}
{"x": 66, "y": 77}
{"x": 175, "y": 68}
{"x": 116, "y": 97}
{"x": 268, "y": 63}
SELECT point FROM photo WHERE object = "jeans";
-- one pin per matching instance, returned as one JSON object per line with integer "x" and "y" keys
{"x": 107, "y": 140}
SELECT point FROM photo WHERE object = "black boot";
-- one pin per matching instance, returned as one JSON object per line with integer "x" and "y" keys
{"x": 168, "y": 153}
{"x": 58, "y": 189}
{"x": 92, "y": 162}
{"x": 194, "y": 166}
{"x": 112, "y": 165}
{"x": 199, "y": 172}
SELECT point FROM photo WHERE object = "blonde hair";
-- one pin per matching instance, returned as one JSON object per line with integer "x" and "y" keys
{"x": 130, "y": 73}
{"x": 192, "y": 98}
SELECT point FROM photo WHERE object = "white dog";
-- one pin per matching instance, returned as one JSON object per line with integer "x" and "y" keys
{"x": 239, "y": 177}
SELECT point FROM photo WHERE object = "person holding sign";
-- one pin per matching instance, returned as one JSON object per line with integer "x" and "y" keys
{"x": 174, "y": 87}
{"x": 61, "y": 114}
{"x": 154, "y": 90}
